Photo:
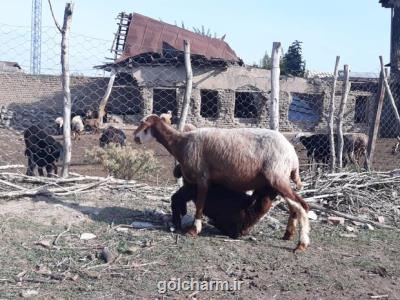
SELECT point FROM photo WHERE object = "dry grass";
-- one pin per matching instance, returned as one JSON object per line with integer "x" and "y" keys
{"x": 123, "y": 162}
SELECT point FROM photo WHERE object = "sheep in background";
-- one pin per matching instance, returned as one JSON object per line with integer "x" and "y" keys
{"x": 77, "y": 126}
{"x": 115, "y": 119}
{"x": 92, "y": 125}
{"x": 90, "y": 114}
{"x": 42, "y": 151}
{"x": 112, "y": 135}
{"x": 318, "y": 147}
{"x": 167, "y": 117}
{"x": 359, "y": 142}
{"x": 59, "y": 123}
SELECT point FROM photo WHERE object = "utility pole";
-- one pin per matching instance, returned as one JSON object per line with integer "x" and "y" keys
{"x": 36, "y": 36}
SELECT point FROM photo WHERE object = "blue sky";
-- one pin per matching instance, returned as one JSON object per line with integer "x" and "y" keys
{"x": 357, "y": 30}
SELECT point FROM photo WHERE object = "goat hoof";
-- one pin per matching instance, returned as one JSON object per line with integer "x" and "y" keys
{"x": 301, "y": 247}
{"x": 288, "y": 236}
{"x": 192, "y": 231}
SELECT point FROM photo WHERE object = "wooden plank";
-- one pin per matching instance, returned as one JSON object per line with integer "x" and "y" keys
{"x": 374, "y": 127}
{"x": 69, "y": 7}
{"x": 332, "y": 117}
{"x": 275, "y": 74}
{"x": 345, "y": 93}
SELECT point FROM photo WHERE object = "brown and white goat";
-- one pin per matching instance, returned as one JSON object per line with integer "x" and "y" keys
{"x": 92, "y": 124}
{"x": 359, "y": 142}
{"x": 239, "y": 159}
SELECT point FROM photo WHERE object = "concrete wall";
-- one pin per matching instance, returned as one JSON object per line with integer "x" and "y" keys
{"x": 31, "y": 98}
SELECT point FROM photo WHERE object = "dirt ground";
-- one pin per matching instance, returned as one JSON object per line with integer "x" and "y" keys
{"x": 338, "y": 265}
{"x": 41, "y": 257}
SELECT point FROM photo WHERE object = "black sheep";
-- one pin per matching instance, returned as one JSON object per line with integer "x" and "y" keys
{"x": 112, "y": 135}
{"x": 233, "y": 213}
{"x": 42, "y": 151}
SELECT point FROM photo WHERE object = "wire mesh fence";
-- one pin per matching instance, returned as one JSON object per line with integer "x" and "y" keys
{"x": 226, "y": 93}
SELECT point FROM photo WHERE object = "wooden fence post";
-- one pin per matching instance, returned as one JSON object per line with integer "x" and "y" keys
{"x": 104, "y": 100}
{"x": 389, "y": 92}
{"x": 189, "y": 84}
{"x": 66, "y": 89}
{"x": 332, "y": 117}
{"x": 374, "y": 127}
{"x": 188, "y": 92}
{"x": 275, "y": 74}
{"x": 345, "y": 92}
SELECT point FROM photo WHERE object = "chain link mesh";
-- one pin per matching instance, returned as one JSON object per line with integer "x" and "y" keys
{"x": 224, "y": 95}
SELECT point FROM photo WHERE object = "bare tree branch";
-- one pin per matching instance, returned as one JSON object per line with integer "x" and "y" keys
{"x": 54, "y": 17}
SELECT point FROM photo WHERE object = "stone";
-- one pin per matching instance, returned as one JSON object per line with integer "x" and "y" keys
{"x": 381, "y": 219}
{"x": 335, "y": 220}
{"x": 87, "y": 236}
{"x": 368, "y": 226}
{"x": 312, "y": 215}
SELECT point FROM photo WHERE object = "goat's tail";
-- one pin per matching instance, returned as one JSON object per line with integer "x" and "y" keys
{"x": 282, "y": 186}
{"x": 295, "y": 176}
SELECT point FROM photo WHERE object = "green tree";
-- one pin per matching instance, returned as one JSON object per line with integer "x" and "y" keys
{"x": 266, "y": 62}
{"x": 293, "y": 63}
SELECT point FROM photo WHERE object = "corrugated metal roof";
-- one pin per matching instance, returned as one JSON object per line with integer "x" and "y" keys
{"x": 146, "y": 35}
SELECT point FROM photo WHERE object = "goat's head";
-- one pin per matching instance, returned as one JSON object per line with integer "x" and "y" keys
{"x": 143, "y": 133}
{"x": 89, "y": 114}
{"x": 59, "y": 121}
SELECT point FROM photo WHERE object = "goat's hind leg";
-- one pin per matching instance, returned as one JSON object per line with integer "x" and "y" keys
{"x": 292, "y": 223}
{"x": 300, "y": 208}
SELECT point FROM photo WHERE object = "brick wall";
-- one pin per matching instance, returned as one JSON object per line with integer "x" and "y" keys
{"x": 39, "y": 98}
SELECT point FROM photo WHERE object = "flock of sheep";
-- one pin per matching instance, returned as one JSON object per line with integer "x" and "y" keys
{"x": 43, "y": 151}
{"x": 219, "y": 167}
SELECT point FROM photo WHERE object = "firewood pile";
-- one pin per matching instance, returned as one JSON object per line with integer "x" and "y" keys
{"x": 369, "y": 197}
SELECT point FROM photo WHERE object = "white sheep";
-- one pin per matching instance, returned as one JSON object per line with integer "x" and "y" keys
{"x": 77, "y": 126}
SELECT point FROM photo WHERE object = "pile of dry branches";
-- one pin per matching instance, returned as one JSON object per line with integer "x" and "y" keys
{"x": 16, "y": 185}
{"x": 360, "y": 197}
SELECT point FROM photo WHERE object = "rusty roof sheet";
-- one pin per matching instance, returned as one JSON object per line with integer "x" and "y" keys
{"x": 146, "y": 35}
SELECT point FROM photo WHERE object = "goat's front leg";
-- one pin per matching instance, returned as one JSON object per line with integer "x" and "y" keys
{"x": 178, "y": 203}
{"x": 202, "y": 190}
